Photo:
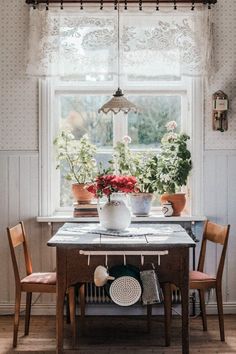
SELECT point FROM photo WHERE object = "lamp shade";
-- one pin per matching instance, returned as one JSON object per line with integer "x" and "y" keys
{"x": 118, "y": 103}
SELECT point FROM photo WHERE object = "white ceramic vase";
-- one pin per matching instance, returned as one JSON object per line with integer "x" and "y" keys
{"x": 114, "y": 215}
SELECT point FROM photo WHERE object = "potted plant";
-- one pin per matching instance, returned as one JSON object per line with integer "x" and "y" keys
{"x": 142, "y": 165}
{"x": 76, "y": 157}
{"x": 114, "y": 215}
{"x": 173, "y": 167}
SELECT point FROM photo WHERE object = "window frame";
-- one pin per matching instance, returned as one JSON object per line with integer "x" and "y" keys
{"x": 192, "y": 124}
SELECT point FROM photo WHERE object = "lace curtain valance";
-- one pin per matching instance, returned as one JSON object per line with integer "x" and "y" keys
{"x": 77, "y": 44}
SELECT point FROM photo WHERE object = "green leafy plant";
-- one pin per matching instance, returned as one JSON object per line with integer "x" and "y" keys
{"x": 142, "y": 165}
{"x": 76, "y": 157}
{"x": 174, "y": 161}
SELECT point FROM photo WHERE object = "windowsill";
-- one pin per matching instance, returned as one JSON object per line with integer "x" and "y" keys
{"x": 67, "y": 217}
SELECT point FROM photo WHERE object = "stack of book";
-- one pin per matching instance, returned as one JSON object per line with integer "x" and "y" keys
{"x": 85, "y": 210}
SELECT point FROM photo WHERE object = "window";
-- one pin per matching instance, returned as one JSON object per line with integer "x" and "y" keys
{"x": 158, "y": 86}
{"x": 73, "y": 103}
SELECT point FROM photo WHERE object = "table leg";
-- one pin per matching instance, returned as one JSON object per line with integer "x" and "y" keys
{"x": 168, "y": 311}
{"x": 61, "y": 290}
{"x": 185, "y": 305}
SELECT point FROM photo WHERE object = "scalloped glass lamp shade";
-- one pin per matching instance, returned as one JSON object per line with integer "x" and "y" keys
{"x": 118, "y": 103}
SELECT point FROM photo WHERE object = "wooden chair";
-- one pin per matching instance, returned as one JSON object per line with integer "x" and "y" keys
{"x": 202, "y": 281}
{"x": 33, "y": 282}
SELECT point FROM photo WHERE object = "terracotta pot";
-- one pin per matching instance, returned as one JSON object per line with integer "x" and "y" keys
{"x": 81, "y": 195}
{"x": 177, "y": 200}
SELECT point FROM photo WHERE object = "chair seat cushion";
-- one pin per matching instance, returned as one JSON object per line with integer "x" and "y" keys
{"x": 41, "y": 278}
{"x": 199, "y": 276}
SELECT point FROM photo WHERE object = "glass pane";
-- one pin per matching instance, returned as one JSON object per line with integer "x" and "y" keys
{"x": 81, "y": 114}
{"x": 147, "y": 128}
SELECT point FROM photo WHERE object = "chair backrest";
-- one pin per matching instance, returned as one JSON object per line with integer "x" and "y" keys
{"x": 16, "y": 237}
{"x": 218, "y": 234}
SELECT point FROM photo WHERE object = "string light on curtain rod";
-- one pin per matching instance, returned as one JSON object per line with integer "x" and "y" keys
{"x": 37, "y": 3}
{"x": 118, "y": 103}
{"x": 140, "y": 5}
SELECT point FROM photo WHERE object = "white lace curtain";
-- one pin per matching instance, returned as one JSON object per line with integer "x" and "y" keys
{"x": 83, "y": 44}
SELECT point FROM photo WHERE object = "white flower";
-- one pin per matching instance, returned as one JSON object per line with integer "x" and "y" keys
{"x": 127, "y": 139}
{"x": 171, "y": 125}
{"x": 165, "y": 178}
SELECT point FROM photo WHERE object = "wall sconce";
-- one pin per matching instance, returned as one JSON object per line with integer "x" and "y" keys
{"x": 220, "y": 109}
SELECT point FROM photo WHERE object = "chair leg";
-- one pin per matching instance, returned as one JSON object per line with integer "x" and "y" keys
{"x": 220, "y": 312}
{"x": 203, "y": 308}
{"x": 28, "y": 312}
{"x": 149, "y": 317}
{"x": 82, "y": 305}
{"x": 67, "y": 309}
{"x": 72, "y": 308}
{"x": 16, "y": 317}
{"x": 167, "y": 308}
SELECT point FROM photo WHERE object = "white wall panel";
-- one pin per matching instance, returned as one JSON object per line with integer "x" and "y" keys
{"x": 220, "y": 198}
{"x": 231, "y": 195}
{"x": 19, "y": 201}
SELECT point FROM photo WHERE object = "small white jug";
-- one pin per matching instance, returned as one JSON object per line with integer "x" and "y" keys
{"x": 167, "y": 209}
{"x": 101, "y": 276}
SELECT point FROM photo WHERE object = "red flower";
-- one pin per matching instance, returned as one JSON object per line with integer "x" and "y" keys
{"x": 107, "y": 184}
{"x": 92, "y": 189}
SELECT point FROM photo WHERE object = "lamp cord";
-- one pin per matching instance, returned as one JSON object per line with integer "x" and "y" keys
{"x": 118, "y": 42}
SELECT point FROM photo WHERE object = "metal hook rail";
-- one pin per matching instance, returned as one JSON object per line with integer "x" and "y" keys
{"x": 124, "y": 254}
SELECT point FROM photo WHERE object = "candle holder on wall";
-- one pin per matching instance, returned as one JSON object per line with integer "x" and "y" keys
{"x": 220, "y": 111}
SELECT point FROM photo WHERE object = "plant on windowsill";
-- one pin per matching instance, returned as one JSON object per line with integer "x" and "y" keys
{"x": 114, "y": 215}
{"x": 142, "y": 165}
{"x": 173, "y": 168}
{"x": 76, "y": 158}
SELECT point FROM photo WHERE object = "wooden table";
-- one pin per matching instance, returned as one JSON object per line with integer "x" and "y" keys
{"x": 72, "y": 266}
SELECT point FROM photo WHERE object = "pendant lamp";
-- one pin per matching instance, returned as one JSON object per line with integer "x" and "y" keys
{"x": 118, "y": 103}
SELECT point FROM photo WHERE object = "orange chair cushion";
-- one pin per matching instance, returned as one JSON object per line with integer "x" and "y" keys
{"x": 199, "y": 276}
{"x": 40, "y": 278}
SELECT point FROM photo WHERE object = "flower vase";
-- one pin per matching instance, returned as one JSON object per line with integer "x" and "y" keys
{"x": 114, "y": 215}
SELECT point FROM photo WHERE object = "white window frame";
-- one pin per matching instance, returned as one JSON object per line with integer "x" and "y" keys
{"x": 192, "y": 124}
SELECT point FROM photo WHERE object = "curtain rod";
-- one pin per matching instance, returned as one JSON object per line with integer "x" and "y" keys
{"x": 205, "y": 2}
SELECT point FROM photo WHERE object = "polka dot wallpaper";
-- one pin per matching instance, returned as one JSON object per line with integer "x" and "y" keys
{"x": 19, "y": 94}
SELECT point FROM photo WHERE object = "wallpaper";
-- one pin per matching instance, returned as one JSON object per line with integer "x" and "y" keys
{"x": 19, "y": 94}
{"x": 224, "y": 74}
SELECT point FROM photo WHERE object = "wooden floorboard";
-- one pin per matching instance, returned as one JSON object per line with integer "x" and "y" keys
{"x": 116, "y": 335}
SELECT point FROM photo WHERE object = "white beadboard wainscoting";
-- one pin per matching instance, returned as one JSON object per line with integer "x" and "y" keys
{"x": 19, "y": 191}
